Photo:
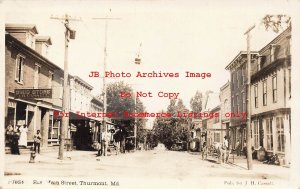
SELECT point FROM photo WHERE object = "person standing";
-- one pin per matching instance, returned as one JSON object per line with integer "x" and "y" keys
{"x": 9, "y": 134}
{"x": 238, "y": 148}
{"x": 245, "y": 148}
{"x": 204, "y": 151}
{"x": 15, "y": 142}
{"x": 23, "y": 136}
{"x": 225, "y": 148}
{"x": 37, "y": 141}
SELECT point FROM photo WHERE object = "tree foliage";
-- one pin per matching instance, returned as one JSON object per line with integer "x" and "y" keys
{"x": 276, "y": 22}
{"x": 171, "y": 130}
{"x": 196, "y": 102}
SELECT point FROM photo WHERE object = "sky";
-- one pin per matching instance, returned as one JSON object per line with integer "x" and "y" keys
{"x": 176, "y": 37}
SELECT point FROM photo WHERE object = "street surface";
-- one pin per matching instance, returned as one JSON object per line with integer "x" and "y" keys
{"x": 158, "y": 164}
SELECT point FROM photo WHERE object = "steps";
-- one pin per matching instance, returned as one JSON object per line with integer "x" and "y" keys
{"x": 27, "y": 150}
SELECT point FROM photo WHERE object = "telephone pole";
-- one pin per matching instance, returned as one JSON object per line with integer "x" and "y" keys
{"x": 69, "y": 34}
{"x": 104, "y": 80}
{"x": 249, "y": 150}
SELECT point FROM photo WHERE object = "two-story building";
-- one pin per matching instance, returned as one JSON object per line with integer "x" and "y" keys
{"x": 225, "y": 106}
{"x": 33, "y": 84}
{"x": 238, "y": 91}
{"x": 271, "y": 98}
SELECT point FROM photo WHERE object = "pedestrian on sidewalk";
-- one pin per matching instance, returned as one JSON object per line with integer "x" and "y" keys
{"x": 15, "y": 142}
{"x": 23, "y": 136}
{"x": 245, "y": 148}
{"x": 99, "y": 149}
{"x": 238, "y": 148}
{"x": 204, "y": 151}
{"x": 224, "y": 150}
{"x": 37, "y": 141}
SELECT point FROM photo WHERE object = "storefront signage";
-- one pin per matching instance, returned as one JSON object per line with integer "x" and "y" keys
{"x": 33, "y": 93}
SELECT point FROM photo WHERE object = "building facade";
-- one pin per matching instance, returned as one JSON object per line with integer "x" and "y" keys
{"x": 271, "y": 98}
{"x": 27, "y": 68}
{"x": 238, "y": 91}
{"x": 225, "y": 107}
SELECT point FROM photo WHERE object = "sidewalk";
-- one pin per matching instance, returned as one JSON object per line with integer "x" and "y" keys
{"x": 264, "y": 171}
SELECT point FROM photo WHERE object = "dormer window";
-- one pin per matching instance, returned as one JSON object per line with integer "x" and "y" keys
{"x": 30, "y": 40}
{"x": 273, "y": 52}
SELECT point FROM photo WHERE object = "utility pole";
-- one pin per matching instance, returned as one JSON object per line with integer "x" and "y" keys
{"x": 104, "y": 80}
{"x": 249, "y": 150}
{"x": 69, "y": 34}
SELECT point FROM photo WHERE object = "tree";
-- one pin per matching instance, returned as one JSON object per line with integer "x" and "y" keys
{"x": 171, "y": 130}
{"x": 196, "y": 102}
{"x": 276, "y": 22}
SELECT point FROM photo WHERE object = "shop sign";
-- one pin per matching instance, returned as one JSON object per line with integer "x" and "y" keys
{"x": 33, "y": 93}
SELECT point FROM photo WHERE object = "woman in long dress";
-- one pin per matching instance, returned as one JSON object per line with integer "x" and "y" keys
{"x": 23, "y": 136}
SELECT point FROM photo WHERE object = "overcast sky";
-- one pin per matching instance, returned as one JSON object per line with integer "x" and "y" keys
{"x": 175, "y": 36}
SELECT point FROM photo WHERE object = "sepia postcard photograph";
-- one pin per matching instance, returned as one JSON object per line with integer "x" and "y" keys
{"x": 149, "y": 94}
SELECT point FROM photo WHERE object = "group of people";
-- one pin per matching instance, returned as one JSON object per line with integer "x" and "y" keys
{"x": 17, "y": 137}
{"x": 223, "y": 150}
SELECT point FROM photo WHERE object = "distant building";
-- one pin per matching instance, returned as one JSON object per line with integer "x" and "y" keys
{"x": 271, "y": 98}
{"x": 225, "y": 107}
{"x": 212, "y": 125}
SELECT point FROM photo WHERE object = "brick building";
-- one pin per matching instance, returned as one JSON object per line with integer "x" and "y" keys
{"x": 238, "y": 91}
{"x": 28, "y": 68}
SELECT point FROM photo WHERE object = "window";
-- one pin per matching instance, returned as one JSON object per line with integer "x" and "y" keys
{"x": 37, "y": 69}
{"x": 265, "y": 92}
{"x": 272, "y": 53}
{"x": 217, "y": 137}
{"x": 243, "y": 75}
{"x": 269, "y": 134}
{"x": 280, "y": 134}
{"x": 274, "y": 88}
{"x": 259, "y": 63}
{"x": 226, "y": 105}
{"x": 237, "y": 79}
{"x": 19, "y": 74}
{"x": 256, "y": 135}
{"x": 50, "y": 79}
{"x": 256, "y": 96}
{"x": 244, "y": 102}
{"x": 31, "y": 40}
{"x": 237, "y": 103}
{"x": 290, "y": 81}
{"x": 61, "y": 88}
{"x": 216, "y": 119}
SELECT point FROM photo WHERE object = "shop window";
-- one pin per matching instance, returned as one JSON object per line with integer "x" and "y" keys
{"x": 280, "y": 134}
{"x": 256, "y": 135}
{"x": 269, "y": 134}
